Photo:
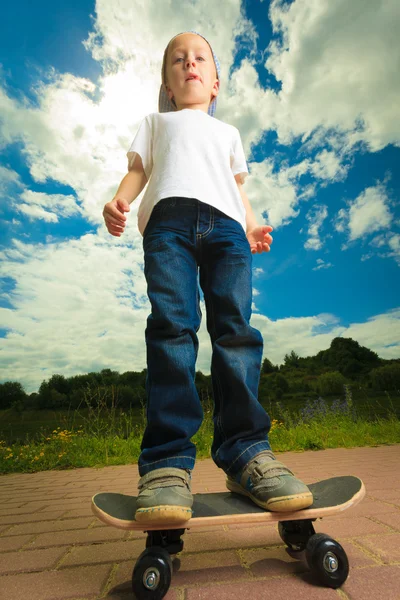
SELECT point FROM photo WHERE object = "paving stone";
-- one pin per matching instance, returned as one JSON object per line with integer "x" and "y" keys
{"x": 374, "y": 583}
{"x": 346, "y": 527}
{"x": 55, "y": 526}
{"x": 270, "y": 562}
{"x": 391, "y": 496}
{"x": 207, "y": 567}
{"x": 232, "y": 539}
{"x": 31, "y": 518}
{"x": 80, "y": 512}
{"x": 25, "y": 561}
{"x": 91, "y": 560}
{"x": 83, "y": 582}
{"x": 80, "y": 536}
{"x": 101, "y": 553}
{"x": 392, "y": 520}
{"x": 358, "y": 557}
{"x": 278, "y": 588}
{"x": 69, "y": 504}
{"x": 24, "y": 508}
{"x": 386, "y": 547}
{"x": 8, "y": 544}
{"x": 371, "y": 507}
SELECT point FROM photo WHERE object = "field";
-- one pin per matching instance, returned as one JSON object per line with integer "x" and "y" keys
{"x": 99, "y": 436}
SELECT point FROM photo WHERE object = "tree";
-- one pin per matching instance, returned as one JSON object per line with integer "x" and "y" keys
{"x": 80, "y": 382}
{"x": 57, "y": 399}
{"x": 292, "y": 360}
{"x": 60, "y": 384}
{"x": 109, "y": 377}
{"x": 268, "y": 367}
{"x": 349, "y": 358}
{"x": 11, "y": 392}
{"x": 44, "y": 399}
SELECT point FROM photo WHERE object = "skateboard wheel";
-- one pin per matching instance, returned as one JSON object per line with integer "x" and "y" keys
{"x": 151, "y": 576}
{"x": 327, "y": 560}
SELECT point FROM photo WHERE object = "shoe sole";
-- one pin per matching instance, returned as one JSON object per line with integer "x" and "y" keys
{"x": 286, "y": 503}
{"x": 158, "y": 515}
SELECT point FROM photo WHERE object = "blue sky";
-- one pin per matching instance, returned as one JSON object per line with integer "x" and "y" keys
{"x": 319, "y": 123}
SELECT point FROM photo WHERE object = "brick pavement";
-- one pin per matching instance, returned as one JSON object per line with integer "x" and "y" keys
{"x": 53, "y": 548}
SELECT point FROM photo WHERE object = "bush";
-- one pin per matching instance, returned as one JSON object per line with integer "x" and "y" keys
{"x": 386, "y": 378}
{"x": 330, "y": 383}
{"x": 273, "y": 386}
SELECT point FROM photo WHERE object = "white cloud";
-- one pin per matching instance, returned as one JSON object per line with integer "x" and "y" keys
{"x": 382, "y": 330}
{"x": 9, "y": 180}
{"x": 308, "y": 335}
{"x": 66, "y": 296}
{"x": 327, "y": 166}
{"x": 392, "y": 240}
{"x": 321, "y": 264}
{"x": 338, "y": 66}
{"x": 379, "y": 240}
{"x": 276, "y": 188}
{"x": 37, "y": 205}
{"x": 365, "y": 215}
{"x": 272, "y": 193}
{"x": 316, "y": 216}
{"x": 394, "y": 243}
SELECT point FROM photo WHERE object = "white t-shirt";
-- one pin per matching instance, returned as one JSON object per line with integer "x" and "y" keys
{"x": 189, "y": 153}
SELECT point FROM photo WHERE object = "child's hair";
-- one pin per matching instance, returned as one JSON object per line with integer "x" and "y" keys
{"x": 163, "y": 95}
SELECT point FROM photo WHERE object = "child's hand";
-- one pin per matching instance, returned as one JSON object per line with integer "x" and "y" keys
{"x": 259, "y": 239}
{"x": 114, "y": 217}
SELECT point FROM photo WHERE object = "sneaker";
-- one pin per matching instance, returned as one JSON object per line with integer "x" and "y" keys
{"x": 164, "y": 497}
{"x": 270, "y": 485}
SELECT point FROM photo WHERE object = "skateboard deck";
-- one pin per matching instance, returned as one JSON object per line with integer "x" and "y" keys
{"x": 331, "y": 496}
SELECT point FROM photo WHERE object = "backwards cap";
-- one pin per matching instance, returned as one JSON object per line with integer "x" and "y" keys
{"x": 164, "y": 103}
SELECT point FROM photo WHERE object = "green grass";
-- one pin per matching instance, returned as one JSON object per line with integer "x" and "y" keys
{"x": 107, "y": 437}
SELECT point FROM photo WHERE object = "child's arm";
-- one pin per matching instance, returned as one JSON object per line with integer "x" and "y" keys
{"x": 251, "y": 221}
{"x": 133, "y": 182}
{"x": 129, "y": 189}
{"x": 258, "y": 236}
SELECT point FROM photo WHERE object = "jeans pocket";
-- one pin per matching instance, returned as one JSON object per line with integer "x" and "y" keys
{"x": 155, "y": 217}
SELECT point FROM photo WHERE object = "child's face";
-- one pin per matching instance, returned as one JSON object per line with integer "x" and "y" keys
{"x": 190, "y": 53}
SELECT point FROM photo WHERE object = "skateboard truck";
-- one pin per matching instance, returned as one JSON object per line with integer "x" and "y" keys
{"x": 169, "y": 539}
{"x": 295, "y": 534}
{"x": 325, "y": 557}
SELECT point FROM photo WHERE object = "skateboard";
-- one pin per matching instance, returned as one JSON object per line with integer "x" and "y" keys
{"x": 325, "y": 557}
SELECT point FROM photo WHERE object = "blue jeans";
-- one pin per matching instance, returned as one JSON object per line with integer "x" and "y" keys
{"x": 181, "y": 235}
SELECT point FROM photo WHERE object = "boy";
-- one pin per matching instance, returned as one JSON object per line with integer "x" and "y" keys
{"x": 195, "y": 215}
